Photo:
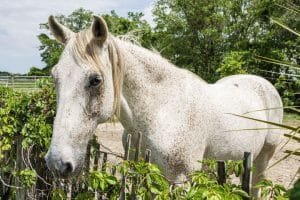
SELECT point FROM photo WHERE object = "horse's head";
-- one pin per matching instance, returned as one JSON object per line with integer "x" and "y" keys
{"x": 88, "y": 81}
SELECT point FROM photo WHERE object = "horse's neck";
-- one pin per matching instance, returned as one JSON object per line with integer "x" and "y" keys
{"x": 149, "y": 81}
{"x": 145, "y": 72}
{"x": 143, "y": 67}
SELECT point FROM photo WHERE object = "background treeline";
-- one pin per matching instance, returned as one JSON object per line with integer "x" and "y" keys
{"x": 211, "y": 38}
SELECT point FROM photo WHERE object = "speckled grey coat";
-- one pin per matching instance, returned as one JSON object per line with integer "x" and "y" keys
{"x": 184, "y": 119}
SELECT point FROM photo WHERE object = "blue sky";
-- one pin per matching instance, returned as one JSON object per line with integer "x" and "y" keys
{"x": 20, "y": 19}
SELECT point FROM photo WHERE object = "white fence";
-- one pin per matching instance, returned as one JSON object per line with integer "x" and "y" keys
{"x": 20, "y": 82}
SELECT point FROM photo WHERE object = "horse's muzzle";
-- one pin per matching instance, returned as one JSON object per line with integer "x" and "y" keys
{"x": 61, "y": 167}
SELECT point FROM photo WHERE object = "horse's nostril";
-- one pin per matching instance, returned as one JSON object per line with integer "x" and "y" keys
{"x": 66, "y": 168}
{"x": 69, "y": 167}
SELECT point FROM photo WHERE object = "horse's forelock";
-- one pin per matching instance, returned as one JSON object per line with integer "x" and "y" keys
{"x": 86, "y": 50}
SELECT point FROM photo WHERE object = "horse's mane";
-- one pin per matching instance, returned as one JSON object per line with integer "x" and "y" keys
{"x": 86, "y": 50}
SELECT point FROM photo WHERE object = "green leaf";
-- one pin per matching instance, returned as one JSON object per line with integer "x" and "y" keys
{"x": 111, "y": 180}
{"x": 285, "y": 27}
{"x": 101, "y": 185}
{"x": 154, "y": 189}
{"x": 241, "y": 193}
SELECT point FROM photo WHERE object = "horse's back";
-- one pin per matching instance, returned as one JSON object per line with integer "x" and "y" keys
{"x": 263, "y": 88}
{"x": 272, "y": 104}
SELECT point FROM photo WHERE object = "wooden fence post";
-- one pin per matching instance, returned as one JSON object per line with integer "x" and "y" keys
{"x": 12, "y": 81}
{"x": 104, "y": 161}
{"x": 114, "y": 170}
{"x": 138, "y": 147}
{"x": 103, "y": 168}
{"x": 147, "y": 155}
{"x": 127, "y": 147}
{"x": 88, "y": 157}
{"x": 97, "y": 156}
{"x": 96, "y": 162}
{"x": 221, "y": 171}
{"x": 35, "y": 84}
{"x": 126, "y": 157}
{"x": 246, "y": 179}
{"x": 136, "y": 158}
{"x": 69, "y": 189}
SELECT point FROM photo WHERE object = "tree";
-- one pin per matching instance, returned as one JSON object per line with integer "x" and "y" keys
{"x": 50, "y": 48}
{"x": 3, "y": 73}
{"x": 207, "y": 36}
{"x": 34, "y": 71}
{"x": 233, "y": 63}
{"x": 191, "y": 34}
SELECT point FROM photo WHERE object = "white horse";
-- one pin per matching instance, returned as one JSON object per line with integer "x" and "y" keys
{"x": 183, "y": 119}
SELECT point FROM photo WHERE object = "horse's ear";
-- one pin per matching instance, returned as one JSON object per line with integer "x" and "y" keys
{"x": 99, "y": 29}
{"x": 60, "y": 32}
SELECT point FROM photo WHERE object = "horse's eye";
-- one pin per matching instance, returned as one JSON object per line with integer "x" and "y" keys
{"x": 95, "y": 81}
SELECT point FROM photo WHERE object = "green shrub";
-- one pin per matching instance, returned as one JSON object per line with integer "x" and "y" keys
{"x": 233, "y": 63}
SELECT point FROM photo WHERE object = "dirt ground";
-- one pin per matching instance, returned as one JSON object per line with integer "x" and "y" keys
{"x": 284, "y": 173}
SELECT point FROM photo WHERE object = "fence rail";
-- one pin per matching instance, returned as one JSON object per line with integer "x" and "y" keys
{"x": 21, "y": 82}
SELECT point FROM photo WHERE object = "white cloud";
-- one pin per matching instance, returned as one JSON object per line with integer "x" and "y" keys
{"x": 20, "y": 19}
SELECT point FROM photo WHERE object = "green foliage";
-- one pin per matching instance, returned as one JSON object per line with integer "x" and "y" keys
{"x": 3, "y": 73}
{"x": 288, "y": 87}
{"x": 133, "y": 26}
{"x": 211, "y": 45}
{"x": 85, "y": 196}
{"x": 27, "y": 177}
{"x": 150, "y": 181}
{"x": 190, "y": 34}
{"x": 295, "y": 191}
{"x": 234, "y": 167}
{"x": 104, "y": 182}
{"x": 227, "y": 36}
{"x": 272, "y": 191}
{"x": 34, "y": 71}
{"x": 203, "y": 185}
{"x": 205, "y": 188}
{"x": 28, "y": 116}
{"x": 50, "y": 51}
{"x": 58, "y": 194}
{"x": 232, "y": 64}
{"x": 147, "y": 182}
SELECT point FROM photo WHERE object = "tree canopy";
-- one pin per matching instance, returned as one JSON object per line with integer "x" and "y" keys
{"x": 210, "y": 38}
